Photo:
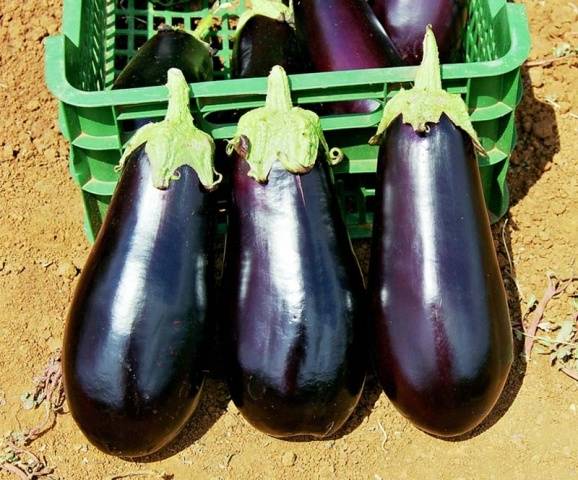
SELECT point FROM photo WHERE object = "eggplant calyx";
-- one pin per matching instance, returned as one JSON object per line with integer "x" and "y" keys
{"x": 274, "y": 9}
{"x": 175, "y": 141}
{"x": 426, "y": 102}
{"x": 281, "y": 132}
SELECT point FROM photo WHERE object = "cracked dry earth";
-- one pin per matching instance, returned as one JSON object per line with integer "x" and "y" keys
{"x": 532, "y": 434}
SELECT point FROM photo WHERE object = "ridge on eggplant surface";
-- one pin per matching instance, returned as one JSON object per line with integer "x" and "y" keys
{"x": 427, "y": 101}
{"x": 274, "y": 9}
{"x": 280, "y": 131}
{"x": 175, "y": 141}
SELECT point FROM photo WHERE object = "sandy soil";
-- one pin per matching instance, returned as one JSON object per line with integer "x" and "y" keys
{"x": 533, "y": 432}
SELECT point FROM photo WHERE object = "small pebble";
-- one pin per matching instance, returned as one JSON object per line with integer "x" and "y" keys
{"x": 67, "y": 270}
{"x": 537, "y": 76}
{"x": 288, "y": 459}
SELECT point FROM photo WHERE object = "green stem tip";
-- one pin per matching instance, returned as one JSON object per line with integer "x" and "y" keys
{"x": 175, "y": 141}
{"x": 281, "y": 132}
{"x": 427, "y": 100}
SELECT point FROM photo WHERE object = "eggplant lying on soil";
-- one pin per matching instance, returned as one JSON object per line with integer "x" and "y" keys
{"x": 265, "y": 38}
{"x": 441, "y": 328}
{"x": 406, "y": 20}
{"x": 137, "y": 328}
{"x": 344, "y": 35}
{"x": 293, "y": 291}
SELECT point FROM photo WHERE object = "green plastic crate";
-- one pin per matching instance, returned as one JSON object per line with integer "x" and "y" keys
{"x": 99, "y": 36}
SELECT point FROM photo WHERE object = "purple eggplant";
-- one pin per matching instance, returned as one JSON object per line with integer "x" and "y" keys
{"x": 406, "y": 20}
{"x": 293, "y": 291}
{"x": 441, "y": 328}
{"x": 137, "y": 329}
{"x": 169, "y": 48}
{"x": 344, "y": 35}
{"x": 264, "y": 38}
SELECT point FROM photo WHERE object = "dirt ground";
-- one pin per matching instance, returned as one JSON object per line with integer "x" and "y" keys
{"x": 533, "y": 432}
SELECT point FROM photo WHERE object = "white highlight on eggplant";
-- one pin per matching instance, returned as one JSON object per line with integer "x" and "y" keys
{"x": 427, "y": 221}
{"x": 133, "y": 276}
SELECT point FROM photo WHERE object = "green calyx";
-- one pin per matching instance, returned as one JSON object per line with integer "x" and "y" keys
{"x": 175, "y": 141}
{"x": 274, "y": 9}
{"x": 427, "y": 101}
{"x": 280, "y": 131}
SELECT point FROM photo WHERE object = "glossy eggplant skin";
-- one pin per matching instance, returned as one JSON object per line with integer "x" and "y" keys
{"x": 443, "y": 340}
{"x": 294, "y": 320}
{"x": 138, "y": 326}
{"x": 406, "y": 20}
{"x": 169, "y": 48}
{"x": 343, "y": 35}
{"x": 264, "y": 43}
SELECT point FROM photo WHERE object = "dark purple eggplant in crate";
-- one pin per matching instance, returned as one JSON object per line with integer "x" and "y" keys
{"x": 293, "y": 291}
{"x": 405, "y": 22}
{"x": 137, "y": 329}
{"x": 168, "y": 48}
{"x": 441, "y": 328}
{"x": 265, "y": 38}
{"x": 343, "y": 35}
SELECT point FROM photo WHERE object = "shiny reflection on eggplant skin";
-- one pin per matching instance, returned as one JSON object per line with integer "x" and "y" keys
{"x": 293, "y": 296}
{"x": 443, "y": 341}
{"x": 406, "y": 20}
{"x": 137, "y": 327}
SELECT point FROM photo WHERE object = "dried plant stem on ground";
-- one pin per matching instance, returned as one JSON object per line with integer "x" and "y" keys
{"x": 48, "y": 391}
{"x": 143, "y": 473}
{"x": 550, "y": 61}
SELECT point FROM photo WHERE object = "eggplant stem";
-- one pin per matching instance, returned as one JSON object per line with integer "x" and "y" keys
{"x": 178, "y": 106}
{"x": 175, "y": 141}
{"x": 428, "y": 76}
{"x": 426, "y": 102}
{"x": 278, "y": 91}
{"x": 280, "y": 132}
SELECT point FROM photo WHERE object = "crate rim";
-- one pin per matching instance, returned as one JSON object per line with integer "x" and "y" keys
{"x": 60, "y": 87}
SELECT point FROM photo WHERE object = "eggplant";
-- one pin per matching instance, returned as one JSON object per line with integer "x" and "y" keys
{"x": 293, "y": 323}
{"x": 439, "y": 312}
{"x": 169, "y": 48}
{"x": 344, "y": 35}
{"x": 406, "y": 20}
{"x": 137, "y": 328}
{"x": 264, "y": 38}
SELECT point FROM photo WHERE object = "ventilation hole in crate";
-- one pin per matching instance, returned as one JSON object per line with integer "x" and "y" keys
{"x": 178, "y": 22}
{"x": 216, "y": 43}
{"x": 158, "y": 21}
{"x": 120, "y": 62}
{"x": 121, "y": 42}
{"x": 140, "y": 4}
{"x": 140, "y": 23}
{"x": 121, "y": 22}
{"x": 233, "y": 21}
{"x": 218, "y": 65}
{"x": 139, "y": 41}
{"x": 370, "y": 204}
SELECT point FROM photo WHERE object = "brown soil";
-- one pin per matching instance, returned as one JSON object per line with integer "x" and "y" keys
{"x": 531, "y": 435}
